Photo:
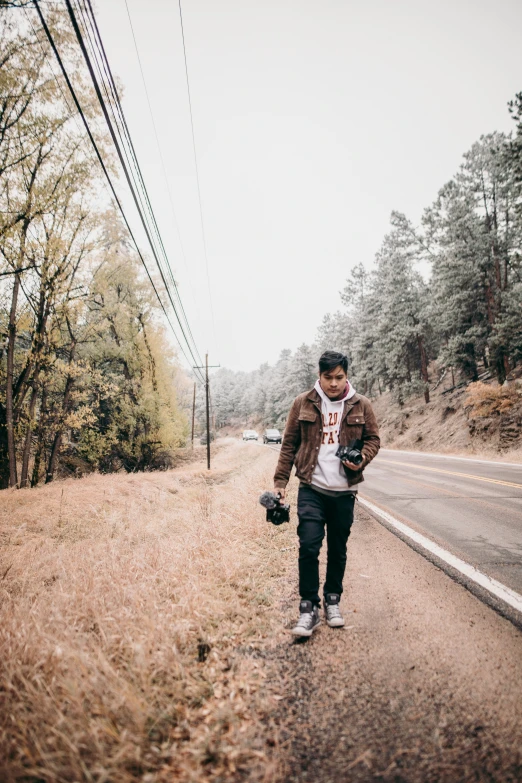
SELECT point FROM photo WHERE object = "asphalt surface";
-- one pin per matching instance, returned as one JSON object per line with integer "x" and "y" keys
{"x": 473, "y": 508}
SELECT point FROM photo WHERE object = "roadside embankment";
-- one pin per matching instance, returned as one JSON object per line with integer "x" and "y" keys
{"x": 129, "y": 606}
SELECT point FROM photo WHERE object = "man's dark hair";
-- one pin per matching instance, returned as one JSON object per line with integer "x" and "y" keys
{"x": 331, "y": 359}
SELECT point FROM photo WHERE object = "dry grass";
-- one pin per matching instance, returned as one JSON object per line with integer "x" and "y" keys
{"x": 483, "y": 399}
{"x": 127, "y": 631}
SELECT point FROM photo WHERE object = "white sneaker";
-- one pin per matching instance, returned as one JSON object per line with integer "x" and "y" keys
{"x": 308, "y": 619}
{"x": 333, "y": 614}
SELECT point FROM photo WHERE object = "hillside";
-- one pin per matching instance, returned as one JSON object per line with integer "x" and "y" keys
{"x": 481, "y": 419}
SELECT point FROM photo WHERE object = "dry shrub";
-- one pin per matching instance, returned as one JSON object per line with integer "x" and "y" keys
{"x": 132, "y": 608}
{"x": 483, "y": 400}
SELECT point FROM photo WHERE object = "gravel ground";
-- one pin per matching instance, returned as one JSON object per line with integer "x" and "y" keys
{"x": 423, "y": 684}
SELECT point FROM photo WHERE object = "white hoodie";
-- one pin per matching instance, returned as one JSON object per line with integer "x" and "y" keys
{"x": 329, "y": 472}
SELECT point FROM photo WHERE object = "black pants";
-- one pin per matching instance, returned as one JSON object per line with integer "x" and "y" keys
{"x": 315, "y": 511}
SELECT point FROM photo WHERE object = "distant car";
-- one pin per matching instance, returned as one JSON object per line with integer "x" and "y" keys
{"x": 250, "y": 435}
{"x": 272, "y": 436}
{"x": 203, "y": 439}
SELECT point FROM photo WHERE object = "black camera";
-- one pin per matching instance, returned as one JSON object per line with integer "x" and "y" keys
{"x": 351, "y": 452}
{"x": 276, "y": 512}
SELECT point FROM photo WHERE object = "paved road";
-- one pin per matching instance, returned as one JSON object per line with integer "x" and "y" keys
{"x": 473, "y": 508}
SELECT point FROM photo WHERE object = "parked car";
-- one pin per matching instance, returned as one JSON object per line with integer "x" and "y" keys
{"x": 250, "y": 435}
{"x": 203, "y": 439}
{"x": 272, "y": 436}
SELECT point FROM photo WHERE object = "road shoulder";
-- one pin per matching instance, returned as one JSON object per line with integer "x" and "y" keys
{"x": 422, "y": 685}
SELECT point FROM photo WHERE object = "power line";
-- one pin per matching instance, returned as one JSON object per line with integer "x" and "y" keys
{"x": 196, "y": 166}
{"x": 87, "y": 147}
{"x": 127, "y": 145}
{"x": 118, "y": 148}
{"x": 129, "y": 150}
{"x": 100, "y": 159}
{"x": 104, "y": 168}
{"x": 104, "y": 72}
{"x": 109, "y": 180}
{"x": 164, "y": 168}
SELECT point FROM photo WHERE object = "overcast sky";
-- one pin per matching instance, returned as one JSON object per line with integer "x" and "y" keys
{"x": 313, "y": 120}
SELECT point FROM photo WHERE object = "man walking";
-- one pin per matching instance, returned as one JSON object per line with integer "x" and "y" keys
{"x": 320, "y": 420}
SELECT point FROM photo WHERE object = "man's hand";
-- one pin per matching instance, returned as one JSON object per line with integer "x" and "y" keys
{"x": 351, "y": 465}
{"x": 280, "y": 491}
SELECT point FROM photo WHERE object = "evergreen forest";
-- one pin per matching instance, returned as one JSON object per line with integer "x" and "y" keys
{"x": 445, "y": 294}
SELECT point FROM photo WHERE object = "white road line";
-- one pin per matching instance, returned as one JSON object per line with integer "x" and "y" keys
{"x": 451, "y": 456}
{"x": 497, "y": 589}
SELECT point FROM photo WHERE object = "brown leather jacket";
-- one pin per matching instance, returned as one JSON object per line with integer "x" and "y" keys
{"x": 303, "y": 432}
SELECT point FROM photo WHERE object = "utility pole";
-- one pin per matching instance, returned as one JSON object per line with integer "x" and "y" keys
{"x": 207, "y": 395}
{"x": 193, "y": 412}
{"x": 208, "y": 410}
